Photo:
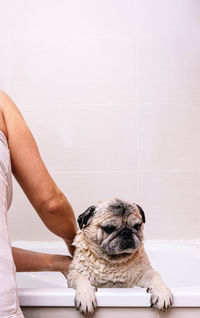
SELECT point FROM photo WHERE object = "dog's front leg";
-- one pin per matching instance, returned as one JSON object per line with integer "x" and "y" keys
{"x": 85, "y": 300}
{"x": 161, "y": 297}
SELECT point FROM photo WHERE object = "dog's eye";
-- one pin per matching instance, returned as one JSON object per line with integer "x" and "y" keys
{"x": 137, "y": 226}
{"x": 109, "y": 228}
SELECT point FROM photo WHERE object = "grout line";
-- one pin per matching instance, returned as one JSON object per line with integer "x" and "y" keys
{"x": 73, "y": 39}
{"x": 136, "y": 59}
{"x": 92, "y": 171}
{"x": 124, "y": 170}
{"x": 137, "y": 109}
{"x": 69, "y": 104}
{"x": 9, "y": 49}
{"x": 138, "y": 154}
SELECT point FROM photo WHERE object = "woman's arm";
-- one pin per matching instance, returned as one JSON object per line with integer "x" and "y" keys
{"x": 29, "y": 170}
{"x": 29, "y": 261}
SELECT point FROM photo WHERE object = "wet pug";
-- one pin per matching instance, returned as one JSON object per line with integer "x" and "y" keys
{"x": 110, "y": 253}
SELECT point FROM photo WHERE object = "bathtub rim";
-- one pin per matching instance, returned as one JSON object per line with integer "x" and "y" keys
{"x": 106, "y": 297}
{"x": 188, "y": 296}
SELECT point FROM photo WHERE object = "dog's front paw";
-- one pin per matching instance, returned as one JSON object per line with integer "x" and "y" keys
{"x": 85, "y": 300}
{"x": 161, "y": 298}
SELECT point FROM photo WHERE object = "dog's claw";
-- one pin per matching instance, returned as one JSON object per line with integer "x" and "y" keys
{"x": 149, "y": 290}
{"x": 161, "y": 299}
{"x": 154, "y": 300}
{"x": 76, "y": 305}
{"x": 171, "y": 300}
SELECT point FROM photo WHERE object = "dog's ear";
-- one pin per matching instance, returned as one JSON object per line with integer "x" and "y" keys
{"x": 142, "y": 213}
{"x": 85, "y": 217}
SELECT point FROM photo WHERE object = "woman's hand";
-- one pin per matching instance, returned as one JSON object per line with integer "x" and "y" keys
{"x": 70, "y": 247}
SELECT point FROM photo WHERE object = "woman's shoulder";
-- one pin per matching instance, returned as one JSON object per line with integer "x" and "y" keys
{"x": 4, "y": 99}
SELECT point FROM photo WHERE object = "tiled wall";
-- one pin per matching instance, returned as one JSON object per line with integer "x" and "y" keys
{"x": 111, "y": 92}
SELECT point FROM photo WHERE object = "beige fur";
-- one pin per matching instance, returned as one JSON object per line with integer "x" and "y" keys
{"x": 103, "y": 272}
{"x": 91, "y": 268}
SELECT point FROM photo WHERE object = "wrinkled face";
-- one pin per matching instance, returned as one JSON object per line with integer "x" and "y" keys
{"x": 116, "y": 226}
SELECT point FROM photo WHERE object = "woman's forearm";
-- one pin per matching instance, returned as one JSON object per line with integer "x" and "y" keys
{"x": 30, "y": 261}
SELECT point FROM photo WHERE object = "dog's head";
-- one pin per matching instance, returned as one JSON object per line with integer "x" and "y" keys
{"x": 115, "y": 225}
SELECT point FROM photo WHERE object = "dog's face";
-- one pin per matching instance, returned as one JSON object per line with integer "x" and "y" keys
{"x": 114, "y": 225}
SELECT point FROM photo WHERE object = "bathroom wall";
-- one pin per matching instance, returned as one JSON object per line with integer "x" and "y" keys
{"x": 111, "y": 92}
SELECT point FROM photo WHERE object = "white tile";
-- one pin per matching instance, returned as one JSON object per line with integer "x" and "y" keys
{"x": 4, "y": 62}
{"x": 36, "y": 20}
{"x": 168, "y": 50}
{"x": 72, "y": 51}
{"x": 171, "y": 204}
{"x": 82, "y": 190}
{"x": 167, "y": 70}
{"x": 4, "y": 20}
{"x": 157, "y": 19}
{"x": 85, "y": 137}
{"x": 73, "y": 71}
{"x": 169, "y": 137}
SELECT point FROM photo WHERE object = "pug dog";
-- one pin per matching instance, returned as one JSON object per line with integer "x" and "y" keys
{"x": 109, "y": 252}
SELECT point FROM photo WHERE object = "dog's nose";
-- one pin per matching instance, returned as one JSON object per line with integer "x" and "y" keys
{"x": 126, "y": 233}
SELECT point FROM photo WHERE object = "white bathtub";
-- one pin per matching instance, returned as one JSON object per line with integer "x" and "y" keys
{"x": 45, "y": 294}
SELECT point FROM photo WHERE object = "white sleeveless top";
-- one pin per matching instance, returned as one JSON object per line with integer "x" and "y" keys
{"x": 5, "y": 167}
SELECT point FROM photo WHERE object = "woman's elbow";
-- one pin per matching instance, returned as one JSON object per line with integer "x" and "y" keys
{"x": 55, "y": 205}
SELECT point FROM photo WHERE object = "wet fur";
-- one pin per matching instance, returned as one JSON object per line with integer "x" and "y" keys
{"x": 93, "y": 267}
